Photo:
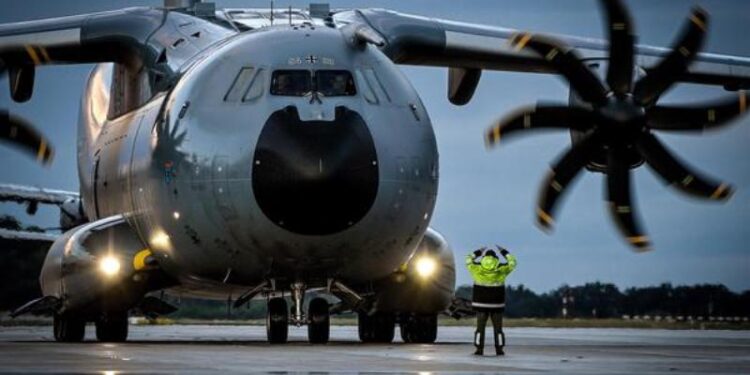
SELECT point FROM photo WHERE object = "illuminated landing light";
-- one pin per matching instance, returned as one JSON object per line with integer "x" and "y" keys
{"x": 160, "y": 240}
{"x": 426, "y": 266}
{"x": 109, "y": 266}
{"x": 176, "y": 215}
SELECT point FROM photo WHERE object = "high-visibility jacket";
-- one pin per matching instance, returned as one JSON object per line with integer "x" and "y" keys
{"x": 489, "y": 280}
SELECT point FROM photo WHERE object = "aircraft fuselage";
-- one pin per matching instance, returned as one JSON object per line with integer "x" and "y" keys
{"x": 235, "y": 175}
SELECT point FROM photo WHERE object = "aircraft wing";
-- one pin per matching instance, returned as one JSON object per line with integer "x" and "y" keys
{"x": 415, "y": 40}
{"x": 31, "y": 194}
{"x": 23, "y": 236}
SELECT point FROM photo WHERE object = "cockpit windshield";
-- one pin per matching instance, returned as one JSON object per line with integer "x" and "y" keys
{"x": 334, "y": 83}
{"x": 303, "y": 82}
{"x": 291, "y": 82}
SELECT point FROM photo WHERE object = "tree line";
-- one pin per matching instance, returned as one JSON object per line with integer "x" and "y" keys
{"x": 602, "y": 300}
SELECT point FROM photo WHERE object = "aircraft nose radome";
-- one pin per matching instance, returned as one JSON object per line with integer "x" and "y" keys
{"x": 315, "y": 177}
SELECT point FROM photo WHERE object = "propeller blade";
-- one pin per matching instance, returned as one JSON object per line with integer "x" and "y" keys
{"x": 567, "y": 61}
{"x": 619, "y": 197}
{"x": 621, "y": 39}
{"x": 676, "y": 173}
{"x": 20, "y": 133}
{"x": 672, "y": 67}
{"x": 564, "y": 171}
{"x": 540, "y": 117}
{"x": 697, "y": 117}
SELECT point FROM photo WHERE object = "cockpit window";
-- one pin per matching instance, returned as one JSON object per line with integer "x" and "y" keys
{"x": 334, "y": 83}
{"x": 303, "y": 82}
{"x": 291, "y": 82}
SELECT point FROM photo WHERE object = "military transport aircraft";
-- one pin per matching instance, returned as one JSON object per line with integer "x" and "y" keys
{"x": 244, "y": 153}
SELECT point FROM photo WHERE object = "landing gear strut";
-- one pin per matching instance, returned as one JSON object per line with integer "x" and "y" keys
{"x": 317, "y": 317}
{"x": 298, "y": 296}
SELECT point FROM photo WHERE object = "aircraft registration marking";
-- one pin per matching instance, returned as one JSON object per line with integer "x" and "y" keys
{"x": 311, "y": 60}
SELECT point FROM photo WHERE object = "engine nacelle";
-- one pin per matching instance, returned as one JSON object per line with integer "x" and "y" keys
{"x": 425, "y": 284}
{"x": 98, "y": 267}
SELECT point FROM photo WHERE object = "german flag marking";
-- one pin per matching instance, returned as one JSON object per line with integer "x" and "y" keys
{"x": 684, "y": 51}
{"x": 622, "y": 209}
{"x": 32, "y": 54}
{"x": 618, "y": 26}
{"x": 556, "y": 185}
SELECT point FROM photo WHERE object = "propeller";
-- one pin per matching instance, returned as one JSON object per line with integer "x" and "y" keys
{"x": 615, "y": 119}
{"x": 20, "y": 133}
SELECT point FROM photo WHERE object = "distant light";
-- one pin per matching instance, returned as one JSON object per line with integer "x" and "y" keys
{"x": 109, "y": 266}
{"x": 426, "y": 266}
{"x": 176, "y": 215}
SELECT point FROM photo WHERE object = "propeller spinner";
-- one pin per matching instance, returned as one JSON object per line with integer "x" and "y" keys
{"x": 616, "y": 119}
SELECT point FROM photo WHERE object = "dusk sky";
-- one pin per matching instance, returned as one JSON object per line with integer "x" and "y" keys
{"x": 489, "y": 197}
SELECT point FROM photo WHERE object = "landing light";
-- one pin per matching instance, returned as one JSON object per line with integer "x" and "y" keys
{"x": 109, "y": 266}
{"x": 426, "y": 266}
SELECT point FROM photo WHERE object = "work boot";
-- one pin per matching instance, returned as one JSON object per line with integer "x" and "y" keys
{"x": 499, "y": 350}
{"x": 479, "y": 351}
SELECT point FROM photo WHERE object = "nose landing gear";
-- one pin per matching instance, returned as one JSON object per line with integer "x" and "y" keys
{"x": 317, "y": 317}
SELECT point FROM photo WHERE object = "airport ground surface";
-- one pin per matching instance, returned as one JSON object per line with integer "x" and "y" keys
{"x": 205, "y": 349}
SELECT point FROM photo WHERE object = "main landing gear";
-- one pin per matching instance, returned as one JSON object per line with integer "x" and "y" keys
{"x": 110, "y": 327}
{"x": 317, "y": 318}
{"x": 415, "y": 328}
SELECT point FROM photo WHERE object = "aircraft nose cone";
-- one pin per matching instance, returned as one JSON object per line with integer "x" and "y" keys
{"x": 315, "y": 177}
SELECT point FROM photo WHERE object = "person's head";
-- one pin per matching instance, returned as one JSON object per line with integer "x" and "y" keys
{"x": 489, "y": 260}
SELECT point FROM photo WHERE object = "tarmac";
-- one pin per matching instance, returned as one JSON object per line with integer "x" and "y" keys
{"x": 229, "y": 349}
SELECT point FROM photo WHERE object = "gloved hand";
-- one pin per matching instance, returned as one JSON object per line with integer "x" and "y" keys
{"x": 503, "y": 251}
{"x": 477, "y": 253}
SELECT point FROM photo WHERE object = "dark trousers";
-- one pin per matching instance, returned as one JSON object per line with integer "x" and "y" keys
{"x": 497, "y": 328}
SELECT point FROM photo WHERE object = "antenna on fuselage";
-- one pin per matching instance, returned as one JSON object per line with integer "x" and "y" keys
{"x": 271, "y": 12}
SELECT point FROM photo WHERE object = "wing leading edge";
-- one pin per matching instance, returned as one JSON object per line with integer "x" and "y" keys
{"x": 415, "y": 40}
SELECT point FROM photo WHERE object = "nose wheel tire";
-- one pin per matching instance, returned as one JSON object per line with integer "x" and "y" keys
{"x": 319, "y": 327}
{"x": 418, "y": 328}
{"x": 377, "y": 328}
{"x": 68, "y": 329}
{"x": 277, "y": 321}
{"x": 112, "y": 327}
